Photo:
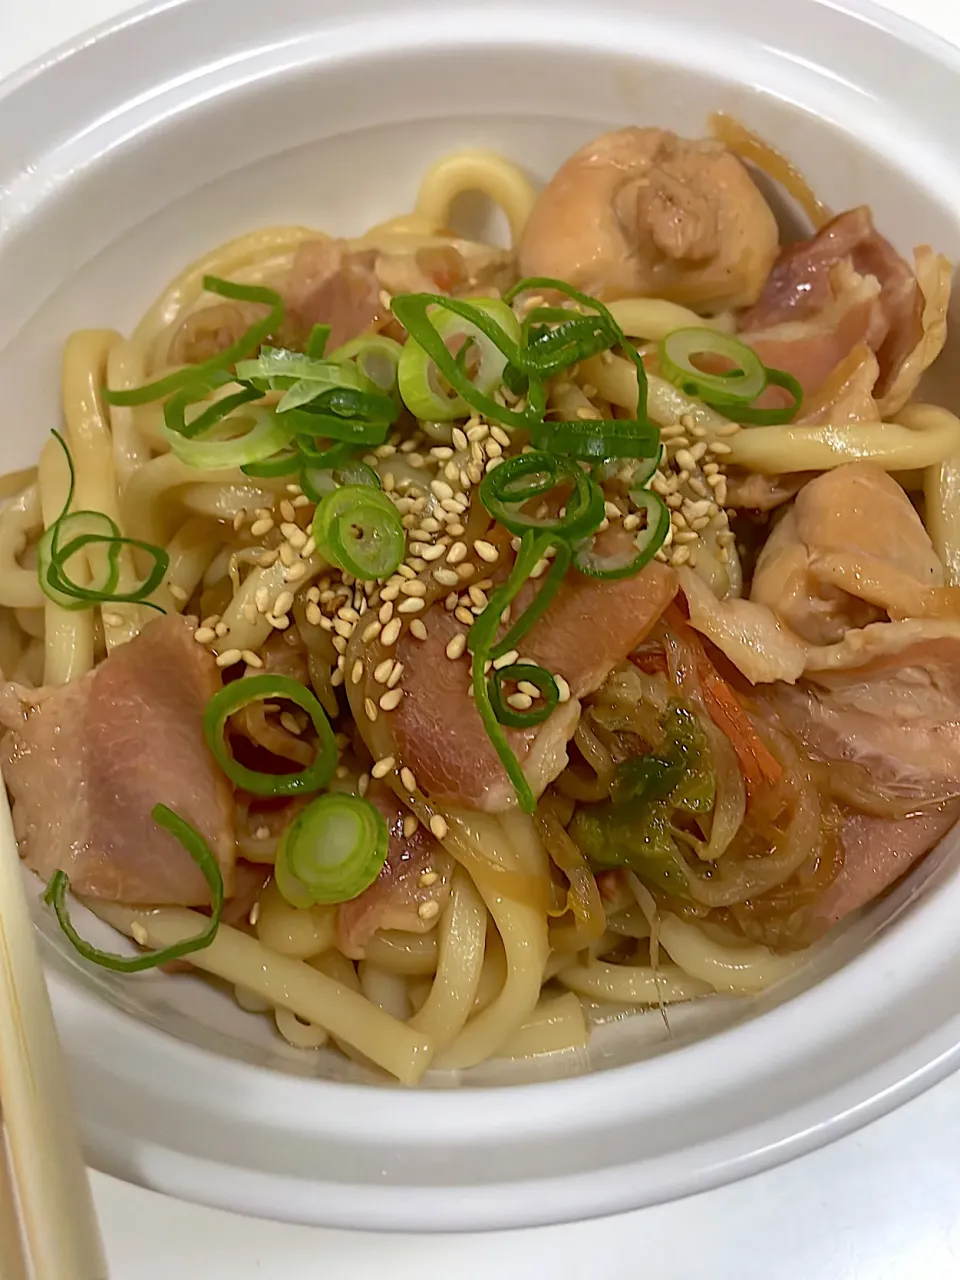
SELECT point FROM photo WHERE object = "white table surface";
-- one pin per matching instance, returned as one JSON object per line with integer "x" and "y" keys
{"x": 883, "y": 1204}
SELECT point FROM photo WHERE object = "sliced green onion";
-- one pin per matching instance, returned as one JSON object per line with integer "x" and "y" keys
{"x": 540, "y": 711}
{"x": 644, "y": 544}
{"x": 420, "y": 313}
{"x": 283, "y": 463}
{"x": 262, "y": 688}
{"x": 198, "y": 849}
{"x": 175, "y": 409}
{"x": 750, "y": 417}
{"x": 333, "y": 850}
{"x": 318, "y": 481}
{"x": 244, "y": 345}
{"x": 377, "y": 358}
{"x": 733, "y": 390}
{"x": 91, "y": 528}
{"x": 480, "y": 640}
{"x": 738, "y": 385}
{"x": 417, "y": 371}
{"x": 598, "y": 439}
{"x": 221, "y": 447}
{"x": 507, "y": 489}
{"x": 359, "y": 529}
{"x": 541, "y": 601}
{"x": 317, "y": 341}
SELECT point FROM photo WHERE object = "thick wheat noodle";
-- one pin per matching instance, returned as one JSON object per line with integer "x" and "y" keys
{"x": 68, "y": 634}
{"x": 20, "y": 520}
{"x": 523, "y": 931}
{"x": 90, "y": 442}
{"x": 388, "y": 991}
{"x": 740, "y": 970}
{"x": 190, "y": 552}
{"x": 460, "y": 943}
{"x": 631, "y": 984}
{"x": 125, "y": 370}
{"x": 556, "y": 1025}
{"x": 285, "y": 982}
{"x": 475, "y": 171}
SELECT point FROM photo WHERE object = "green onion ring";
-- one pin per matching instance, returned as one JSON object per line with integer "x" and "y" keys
{"x": 359, "y": 529}
{"x": 538, "y": 676}
{"x": 246, "y": 343}
{"x": 646, "y": 542}
{"x": 527, "y": 476}
{"x": 332, "y": 851}
{"x": 262, "y": 688}
{"x": 198, "y": 849}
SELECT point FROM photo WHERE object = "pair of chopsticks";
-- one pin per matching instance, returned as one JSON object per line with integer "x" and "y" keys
{"x": 48, "y": 1227}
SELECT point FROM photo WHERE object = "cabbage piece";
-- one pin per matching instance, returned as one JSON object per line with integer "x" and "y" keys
{"x": 634, "y": 828}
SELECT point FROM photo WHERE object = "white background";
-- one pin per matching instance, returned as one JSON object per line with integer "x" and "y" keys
{"x": 883, "y": 1204}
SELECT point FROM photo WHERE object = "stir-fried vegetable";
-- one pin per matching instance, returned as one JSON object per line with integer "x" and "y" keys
{"x": 633, "y": 828}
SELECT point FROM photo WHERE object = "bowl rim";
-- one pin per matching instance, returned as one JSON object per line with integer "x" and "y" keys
{"x": 902, "y": 1077}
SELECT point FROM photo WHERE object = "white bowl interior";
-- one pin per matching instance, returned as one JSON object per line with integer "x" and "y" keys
{"x": 336, "y": 135}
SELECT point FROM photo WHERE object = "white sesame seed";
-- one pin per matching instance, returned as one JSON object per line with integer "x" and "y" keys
{"x": 457, "y": 553}
{"x": 178, "y": 593}
{"x": 478, "y": 597}
{"x": 486, "y": 551}
{"x": 717, "y": 447}
{"x": 283, "y": 603}
{"x": 505, "y": 660}
{"x": 340, "y": 625}
{"x": 456, "y": 646}
{"x": 363, "y": 784}
{"x": 562, "y": 688}
{"x": 391, "y": 699}
{"x": 141, "y": 936}
{"x": 289, "y": 723}
{"x": 262, "y": 526}
{"x": 222, "y": 629}
{"x": 381, "y": 673}
{"x": 441, "y": 489}
{"x": 204, "y": 635}
{"x": 313, "y": 614}
{"x": 390, "y": 632}
{"x": 429, "y": 910}
{"x": 287, "y": 511}
{"x": 438, "y": 826}
{"x": 446, "y": 577}
{"x": 529, "y": 688}
{"x": 413, "y": 588}
{"x": 229, "y": 657}
{"x": 383, "y": 767}
{"x": 370, "y": 707}
{"x": 356, "y": 672}
{"x": 336, "y": 680}
{"x": 410, "y": 824}
{"x": 251, "y": 659}
{"x": 408, "y": 780}
{"x": 428, "y": 878}
{"x": 680, "y": 556}
{"x": 370, "y": 632}
{"x": 521, "y": 701}
{"x": 463, "y": 614}
{"x": 417, "y": 629}
{"x": 412, "y": 604}
{"x": 395, "y": 675}
{"x": 278, "y": 623}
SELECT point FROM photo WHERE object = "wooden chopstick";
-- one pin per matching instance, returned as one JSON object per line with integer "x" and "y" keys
{"x": 43, "y": 1145}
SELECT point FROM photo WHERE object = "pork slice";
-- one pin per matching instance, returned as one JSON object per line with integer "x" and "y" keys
{"x": 589, "y": 628}
{"x": 876, "y": 853}
{"x": 394, "y": 899}
{"x": 85, "y": 764}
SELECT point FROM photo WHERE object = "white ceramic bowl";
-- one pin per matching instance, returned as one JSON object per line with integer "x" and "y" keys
{"x": 129, "y": 153}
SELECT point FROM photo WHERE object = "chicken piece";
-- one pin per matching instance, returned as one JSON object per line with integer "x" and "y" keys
{"x": 850, "y": 549}
{"x": 643, "y": 212}
{"x": 845, "y": 286}
{"x": 85, "y": 764}
{"x": 895, "y": 709}
{"x": 752, "y": 491}
{"x": 330, "y": 285}
{"x": 394, "y": 899}
{"x": 888, "y": 700}
{"x": 589, "y": 628}
{"x": 747, "y": 633}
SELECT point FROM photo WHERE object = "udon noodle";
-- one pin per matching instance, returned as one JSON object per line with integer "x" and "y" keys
{"x": 718, "y": 740}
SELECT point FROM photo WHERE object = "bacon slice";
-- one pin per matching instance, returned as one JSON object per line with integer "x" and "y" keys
{"x": 589, "y": 628}
{"x": 86, "y": 763}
